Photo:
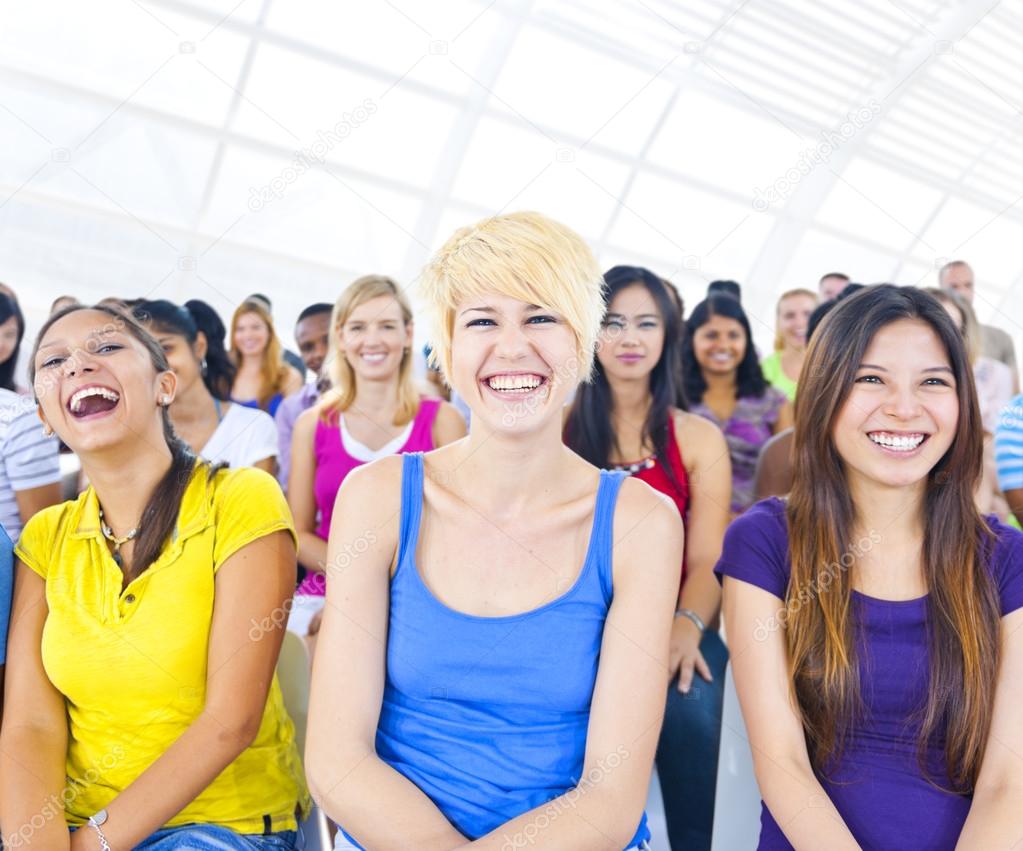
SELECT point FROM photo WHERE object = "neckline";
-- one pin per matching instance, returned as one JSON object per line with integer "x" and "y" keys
{"x": 364, "y": 453}
{"x": 914, "y": 601}
{"x": 587, "y": 567}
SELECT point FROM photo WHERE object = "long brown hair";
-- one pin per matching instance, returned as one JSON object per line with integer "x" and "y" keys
{"x": 272, "y": 368}
{"x": 160, "y": 515}
{"x": 962, "y": 605}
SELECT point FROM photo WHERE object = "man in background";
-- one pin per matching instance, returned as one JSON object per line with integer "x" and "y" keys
{"x": 957, "y": 276}
{"x": 312, "y": 333}
{"x": 831, "y": 285}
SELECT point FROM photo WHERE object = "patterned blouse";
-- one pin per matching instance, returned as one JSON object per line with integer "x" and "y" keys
{"x": 746, "y": 431}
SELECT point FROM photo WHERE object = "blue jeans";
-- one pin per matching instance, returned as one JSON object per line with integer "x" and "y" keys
{"x": 687, "y": 753}
{"x": 212, "y": 837}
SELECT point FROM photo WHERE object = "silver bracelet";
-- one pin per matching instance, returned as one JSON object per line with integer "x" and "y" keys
{"x": 94, "y": 822}
{"x": 695, "y": 618}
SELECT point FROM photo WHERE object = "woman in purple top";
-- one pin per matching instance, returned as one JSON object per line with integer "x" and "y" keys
{"x": 724, "y": 383}
{"x": 874, "y": 619}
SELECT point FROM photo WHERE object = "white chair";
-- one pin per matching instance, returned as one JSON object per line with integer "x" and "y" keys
{"x": 293, "y": 675}
{"x": 737, "y": 796}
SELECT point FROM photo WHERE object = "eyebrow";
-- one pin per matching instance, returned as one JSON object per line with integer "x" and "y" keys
{"x": 56, "y": 343}
{"x": 947, "y": 369}
{"x": 531, "y": 308}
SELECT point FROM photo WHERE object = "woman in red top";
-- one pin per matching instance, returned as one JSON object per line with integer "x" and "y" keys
{"x": 627, "y": 418}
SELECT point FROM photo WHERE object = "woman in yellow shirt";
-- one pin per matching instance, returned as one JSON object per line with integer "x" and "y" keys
{"x": 142, "y": 705}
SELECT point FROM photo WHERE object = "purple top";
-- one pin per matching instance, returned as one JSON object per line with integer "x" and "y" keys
{"x": 287, "y": 412}
{"x": 877, "y": 786}
{"x": 746, "y": 431}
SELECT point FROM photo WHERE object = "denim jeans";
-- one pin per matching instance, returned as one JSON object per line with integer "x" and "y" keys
{"x": 687, "y": 753}
{"x": 212, "y": 837}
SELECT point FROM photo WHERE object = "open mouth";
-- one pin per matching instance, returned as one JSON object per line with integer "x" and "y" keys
{"x": 373, "y": 357}
{"x": 519, "y": 384}
{"x": 92, "y": 400}
{"x": 900, "y": 443}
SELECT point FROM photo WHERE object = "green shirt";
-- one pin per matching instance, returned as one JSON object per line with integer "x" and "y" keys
{"x": 771, "y": 366}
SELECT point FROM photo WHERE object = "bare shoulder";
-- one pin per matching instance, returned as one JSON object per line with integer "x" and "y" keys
{"x": 306, "y": 421}
{"x": 645, "y": 514}
{"x": 698, "y": 438}
{"x": 376, "y": 481}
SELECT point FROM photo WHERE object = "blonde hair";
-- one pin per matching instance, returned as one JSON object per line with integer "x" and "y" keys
{"x": 779, "y": 338}
{"x": 339, "y": 370}
{"x": 525, "y": 256}
{"x": 272, "y": 368}
{"x": 971, "y": 327}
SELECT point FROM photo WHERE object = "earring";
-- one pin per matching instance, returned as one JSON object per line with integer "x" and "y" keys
{"x": 47, "y": 430}
{"x": 202, "y": 366}
{"x": 165, "y": 400}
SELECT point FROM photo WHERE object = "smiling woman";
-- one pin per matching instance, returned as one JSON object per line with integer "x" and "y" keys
{"x": 492, "y": 662}
{"x": 174, "y": 559}
{"x": 881, "y": 600}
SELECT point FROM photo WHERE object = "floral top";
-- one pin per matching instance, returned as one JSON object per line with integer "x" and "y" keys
{"x": 746, "y": 431}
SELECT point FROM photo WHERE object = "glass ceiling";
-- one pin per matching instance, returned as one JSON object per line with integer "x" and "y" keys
{"x": 184, "y": 149}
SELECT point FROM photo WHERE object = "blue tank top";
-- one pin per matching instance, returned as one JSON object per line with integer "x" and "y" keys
{"x": 477, "y": 711}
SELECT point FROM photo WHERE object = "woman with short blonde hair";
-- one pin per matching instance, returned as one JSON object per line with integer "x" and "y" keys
{"x": 494, "y": 656}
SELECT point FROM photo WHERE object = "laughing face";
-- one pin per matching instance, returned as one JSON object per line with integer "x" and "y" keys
{"x": 514, "y": 363}
{"x": 901, "y": 415}
{"x": 96, "y": 383}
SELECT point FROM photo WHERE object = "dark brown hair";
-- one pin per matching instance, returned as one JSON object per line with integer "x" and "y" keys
{"x": 962, "y": 604}
{"x": 160, "y": 515}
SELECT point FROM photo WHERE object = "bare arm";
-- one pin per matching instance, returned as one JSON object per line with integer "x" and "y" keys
{"x": 251, "y": 586}
{"x": 709, "y": 470}
{"x": 32, "y": 500}
{"x": 602, "y": 815}
{"x": 1015, "y": 499}
{"x": 267, "y": 465}
{"x": 787, "y": 783}
{"x": 312, "y": 549}
{"x": 773, "y": 476}
{"x": 995, "y": 819}
{"x": 449, "y": 425}
{"x": 292, "y": 381}
{"x": 33, "y": 740}
{"x": 346, "y": 777}
{"x": 785, "y": 419}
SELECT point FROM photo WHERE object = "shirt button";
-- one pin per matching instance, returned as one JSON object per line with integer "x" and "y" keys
{"x": 130, "y": 598}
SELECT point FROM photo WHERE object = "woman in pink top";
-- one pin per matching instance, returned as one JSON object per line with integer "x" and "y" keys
{"x": 372, "y": 410}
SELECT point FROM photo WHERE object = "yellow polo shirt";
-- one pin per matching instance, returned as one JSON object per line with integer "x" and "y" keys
{"x": 132, "y": 665}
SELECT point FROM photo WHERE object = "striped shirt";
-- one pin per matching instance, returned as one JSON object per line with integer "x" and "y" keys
{"x": 1009, "y": 445}
{"x": 28, "y": 458}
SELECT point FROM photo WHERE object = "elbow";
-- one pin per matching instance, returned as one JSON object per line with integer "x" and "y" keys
{"x": 327, "y": 766}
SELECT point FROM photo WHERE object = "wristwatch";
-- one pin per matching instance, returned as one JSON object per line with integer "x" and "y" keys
{"x": 695, "y": 618}
{"x": 95, "y": 821}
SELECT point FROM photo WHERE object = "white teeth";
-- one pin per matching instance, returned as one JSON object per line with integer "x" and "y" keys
{"x": 76, "y": 400}
{"x": 376, "y": 357}
{"x": 515, "y": 382}
{"x": 898, "y": 442}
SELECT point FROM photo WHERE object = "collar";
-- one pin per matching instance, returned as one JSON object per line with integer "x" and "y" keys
{"x": 194, "y": 514}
